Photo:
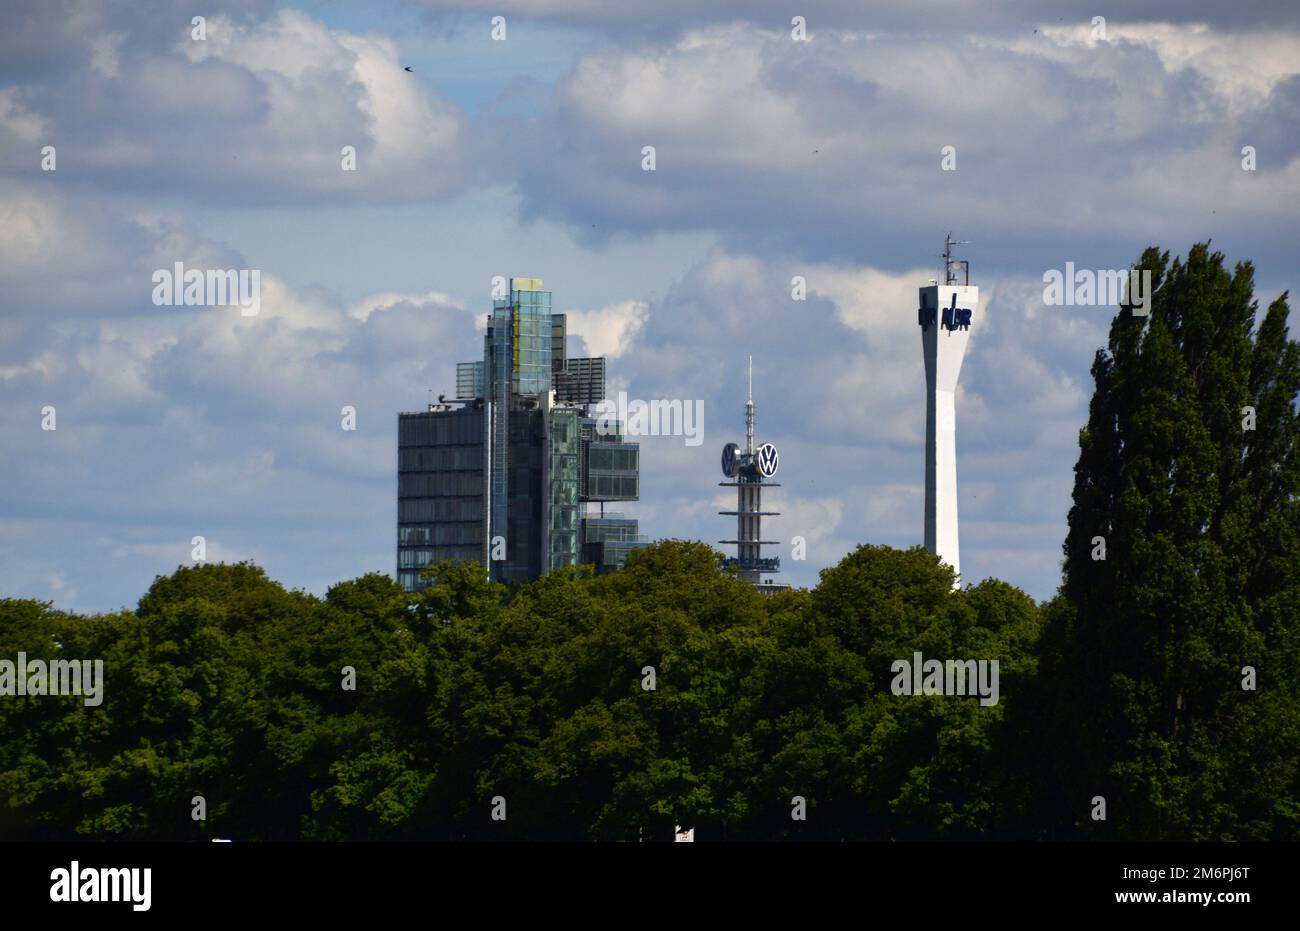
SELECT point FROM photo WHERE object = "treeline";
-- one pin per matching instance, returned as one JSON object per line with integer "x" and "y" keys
{"x": 1156, "y": 697}
{"x": 226, "y": 686}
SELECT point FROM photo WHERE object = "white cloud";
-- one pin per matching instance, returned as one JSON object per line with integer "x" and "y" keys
{"x": 609, "y": 331}
{"x": 834, "y": 147}
{"x": 325, "y": 89}
{"x": 104, "y": 60}
{"x": 26, "y": 126}
{"x": 362, "y": 309}
{"x": 1243, "y": 66}
{"x": 261, "y": 110}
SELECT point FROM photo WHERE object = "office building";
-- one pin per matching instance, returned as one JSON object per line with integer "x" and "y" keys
{"x": 512, "y": 473}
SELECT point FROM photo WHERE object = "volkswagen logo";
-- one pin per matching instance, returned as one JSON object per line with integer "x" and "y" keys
{"x": 730, "y": 460}
{"x": 768, "y": 459}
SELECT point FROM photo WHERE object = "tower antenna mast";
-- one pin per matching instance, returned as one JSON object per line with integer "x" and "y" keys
{"x": 950, "y": 277}
{"x": 749, "y": 412}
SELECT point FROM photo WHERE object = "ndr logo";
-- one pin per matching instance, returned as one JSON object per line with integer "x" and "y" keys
{"x": 954, "y": 317}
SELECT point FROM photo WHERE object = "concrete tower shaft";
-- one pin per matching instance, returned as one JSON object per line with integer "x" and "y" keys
{"x": 945, "y": 316}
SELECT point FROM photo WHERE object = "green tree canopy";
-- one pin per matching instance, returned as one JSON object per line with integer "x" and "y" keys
{"x": 1188, "y": 473}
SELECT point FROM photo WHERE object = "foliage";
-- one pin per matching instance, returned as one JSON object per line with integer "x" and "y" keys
{"x": 1146, "y": 657}
{"x": 224, "y": 685}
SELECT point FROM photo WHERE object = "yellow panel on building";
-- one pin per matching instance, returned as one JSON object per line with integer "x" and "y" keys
{"x": 526, "y": 284}
{"x": 514, "y": 342}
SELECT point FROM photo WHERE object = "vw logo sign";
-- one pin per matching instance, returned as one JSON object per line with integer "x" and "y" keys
{"x": 730, "y": 459}
{"x": 768, "y": 459}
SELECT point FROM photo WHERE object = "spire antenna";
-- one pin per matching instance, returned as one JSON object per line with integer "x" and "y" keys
{"x": 749, "y": 412}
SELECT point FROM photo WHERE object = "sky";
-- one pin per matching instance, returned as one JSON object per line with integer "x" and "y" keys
{"x": 777, "y": 155}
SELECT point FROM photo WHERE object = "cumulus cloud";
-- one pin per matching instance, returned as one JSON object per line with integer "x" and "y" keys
{"x": 21, "y": 124}
{"x": 608, "y": 331}
{"x": 177, "y": 421}
{"x": 258, "y": 112}
{"x": 832, "y": 146}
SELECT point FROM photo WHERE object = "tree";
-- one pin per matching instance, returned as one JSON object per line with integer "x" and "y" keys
{"x": 1200, "y": 524}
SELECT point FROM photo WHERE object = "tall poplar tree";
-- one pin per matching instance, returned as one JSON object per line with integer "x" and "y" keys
{"x": 1174, "y": 665}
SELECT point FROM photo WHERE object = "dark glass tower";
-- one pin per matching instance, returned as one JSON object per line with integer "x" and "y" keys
{"x": 511, "y": 492}
{"x": 439, "y": 489}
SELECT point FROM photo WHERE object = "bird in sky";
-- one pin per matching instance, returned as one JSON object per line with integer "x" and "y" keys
{"x": 409, "y": 68}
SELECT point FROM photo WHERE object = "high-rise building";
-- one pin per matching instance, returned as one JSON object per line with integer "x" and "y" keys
{"x": 749, "y": 469}
{"x": 945, "y": 317}
{"x": 513, "y": 473}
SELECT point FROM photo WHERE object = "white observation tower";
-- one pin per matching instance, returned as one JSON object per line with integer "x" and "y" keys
{"x": 947, "y": 310}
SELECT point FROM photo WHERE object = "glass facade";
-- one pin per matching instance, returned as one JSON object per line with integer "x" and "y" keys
{"x": 469, "y": 379}
{"x": 517, "y": 366}
{"x": 559, "y": 333}
{"x": 607, "y": 540}
{"x": 581, "y": 381}
{"x": 611, "y": 471}
{"x": 524, "y": 333}
{"x": 496, "y": 423}
{"x": 439, "y": 490}
{"x": 526, "y": 483}
{"x": 563, "y": 480}
{"x": 613, "y": 431}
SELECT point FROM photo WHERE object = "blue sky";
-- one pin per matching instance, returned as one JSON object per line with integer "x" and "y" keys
{"x": 775, "y": 158}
